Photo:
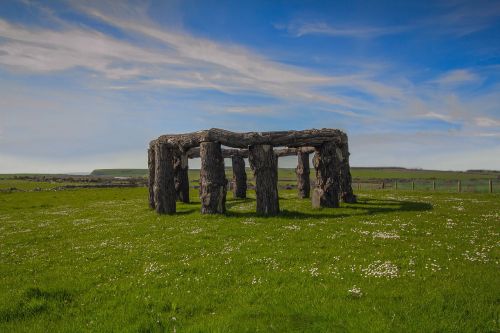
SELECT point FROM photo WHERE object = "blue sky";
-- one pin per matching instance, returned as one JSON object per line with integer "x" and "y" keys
{"x": 86, "y": 85}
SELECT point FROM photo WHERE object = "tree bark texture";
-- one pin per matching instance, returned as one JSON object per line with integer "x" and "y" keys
{"x": 151, "y": 177}
{"x": 164, "y": 187}
{"x": 303, "y": 175}
{"x": 264, "y": 164}
{"x": 213, "y": 183}
{"x": 181, "y": 178}
{"x": 230, "y": 152}
{"x": 239, "y": 177}
{"x": 346, "y": 193}
{"x": 327, "y": 164}
{"x": 311, "y": 137}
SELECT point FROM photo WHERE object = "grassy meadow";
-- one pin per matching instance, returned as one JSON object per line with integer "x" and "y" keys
{"x": 98, "y": 260}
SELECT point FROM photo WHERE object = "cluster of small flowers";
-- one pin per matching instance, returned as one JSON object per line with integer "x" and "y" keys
{"x": 355, "y": 291}
{"x": 151, "y": 268}
{"x": 381, "y": 269}
{"x": 292, "y": 227}
{"x": 314, "y": 271}
{"x": 196, "y": 231}
{"x": 479, "y": 256}
{"x": 385, "y": 235}
{"x": 256, "y": 280}
{"x": 359, "y": 231}
{"x": 248, "y": 221}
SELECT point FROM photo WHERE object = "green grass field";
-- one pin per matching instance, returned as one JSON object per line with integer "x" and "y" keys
{"x": 98, "y": 260}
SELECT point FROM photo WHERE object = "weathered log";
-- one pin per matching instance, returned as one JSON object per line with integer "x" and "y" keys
{"x": 264, "y": 164}
{"x": 230, "y": 152}
{"x": 226, "y": 152}
{"x": 239, "y": 183}
{"x": 303, "y": 175}
{"x": 213, "y": 183}
{"x": 293, "y": 151}
{"x": 327, "y": 164}
{"x": 181, "y": 178}
{"x": 346, "y": 193}
{"x": 164, "y": 187}
{"x": 312, "y": 137}
{"x": 151, "y": 177}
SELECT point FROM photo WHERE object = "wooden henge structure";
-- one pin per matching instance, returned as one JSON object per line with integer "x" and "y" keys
{"x": 168, "y": 167}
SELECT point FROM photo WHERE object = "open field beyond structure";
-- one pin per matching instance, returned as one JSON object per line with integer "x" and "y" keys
{"x": 100, "y": 260}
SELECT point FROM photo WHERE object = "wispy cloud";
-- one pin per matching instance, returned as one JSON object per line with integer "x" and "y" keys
{"x": 299, "y": 29}
{"x": 457, "y": 77}
{"x": 182, "y": 62}
{"x": 136, "y": 78}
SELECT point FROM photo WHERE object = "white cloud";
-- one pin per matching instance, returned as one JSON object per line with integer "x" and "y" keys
{"x": 487, "y": 122}
{"x": 458, "y": 77}
{"x": 300, "y": 29}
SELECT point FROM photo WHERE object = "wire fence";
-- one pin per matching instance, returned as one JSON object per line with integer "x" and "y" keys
{"x": 441, "y": 185}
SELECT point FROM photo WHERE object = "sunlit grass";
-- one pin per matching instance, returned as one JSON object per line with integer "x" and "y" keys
{"x": 100, "y": 260}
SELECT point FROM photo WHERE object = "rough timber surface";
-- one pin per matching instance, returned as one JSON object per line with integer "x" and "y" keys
{"x": 303, "y": 175}
{"x": 239, "y": 181}
{"x": 310, "y": 137}
{"x": 213, "y": 183}
{"x": 164, "y": 187}
{"x": 264, "y": 164}
{"x": 326, "y": 162}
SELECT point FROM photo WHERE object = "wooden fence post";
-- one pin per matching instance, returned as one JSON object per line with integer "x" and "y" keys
{"x": 396, "y": 184}
{"x": 383, "y": 185}
{"x": 412, "y": 185}
{"x": 433, "y": 185}
{"x": 459, "y": 186}
{"x": 359, "y": 186}
{"x": 491, "y": 186}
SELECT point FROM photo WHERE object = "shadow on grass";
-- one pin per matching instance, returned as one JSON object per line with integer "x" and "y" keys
{"x": 35, "y": 301}
{"x": 364, "y": 207}
{"x": 392, "y": 206}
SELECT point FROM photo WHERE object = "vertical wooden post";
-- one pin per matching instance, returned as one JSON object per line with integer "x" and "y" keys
{"x": 359, "y": 186}
{"x": 213, "y": 183}
{"x": 459, "y": 186}
{"x": 433, "y": 185}
{"x": 383, "y": 185}
{"x": 345, "y": 178}
{"x": 326, "y": 163}
{"x": 181, "y": 177}
{"x": 239, "y": 177}
{"x": 151, "y": 176}
{"x": 490, "y": 183}
{"x": 412, "y": 185}
{"x": 164, "y": 187}
{"x": 264, "y": 164}
{"x": 303, "y": 175}
{"x": 396, "y": 184}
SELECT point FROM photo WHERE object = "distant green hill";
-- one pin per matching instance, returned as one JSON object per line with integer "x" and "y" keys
{"x": 357, "y": 172}
{"x": 120, "y": 172}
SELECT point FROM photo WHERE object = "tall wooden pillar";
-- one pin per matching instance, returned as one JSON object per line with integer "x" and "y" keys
{"x": 164, "y": 187}
{"x": 346, "y": 192}
{"x": 213, "y": 183}
{"x": 239, "y": 177}
{"x": 151, "y": 176}
{"x": 327, "y": 165}
{"x": 264, "y": 164}
{"x": 181, "y": 177}
{"x": 303, "y": 174}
